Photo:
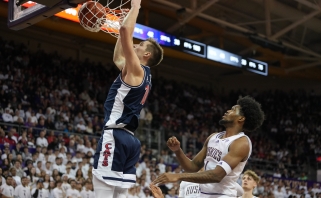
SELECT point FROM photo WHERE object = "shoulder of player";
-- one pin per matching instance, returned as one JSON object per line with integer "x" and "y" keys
{"x": 241, "y": 144}
{"x": 134, "y": 68}
{"x": 209, "y": 137}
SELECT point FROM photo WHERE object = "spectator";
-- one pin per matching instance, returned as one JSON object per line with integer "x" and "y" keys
{"x": 22, "y": 190}
{"x": 6, "y": 188}
{"x": 39, "y": 191}
{"x": 58, "y": 191}
{"x": 23, "y": 139}
{"x": 10, "y": 138}
{"x": 17, "y": 178}
{"x": 59, "y": 166}
{"x": 65, "y": 185}
{"x": 6, "y": 151}
{"x": 50, "y": 137}
{"x": 278, "y": 192}
{"x": 26, "y": 155}
{"x": 19, "y": 172}
{"x": 16, "y": 151}
{"x": 41, "y": 140}
{"x": 7, "y": 117}
{"x": 73, "y": 192}
{"x": 17, "y": 118}
{"x": 87, "y": 192}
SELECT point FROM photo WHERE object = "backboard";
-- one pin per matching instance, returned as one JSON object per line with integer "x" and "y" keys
{"x": 22, "y": 15}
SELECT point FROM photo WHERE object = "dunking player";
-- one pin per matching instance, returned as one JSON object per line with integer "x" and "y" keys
{"x": 223, "y": 155}
{"x": 118, "y": 149}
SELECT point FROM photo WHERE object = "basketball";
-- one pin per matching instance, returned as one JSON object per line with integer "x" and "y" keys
{"x": 91, "y": 15}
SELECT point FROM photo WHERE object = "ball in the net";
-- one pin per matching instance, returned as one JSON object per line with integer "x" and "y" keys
{"x": 91, "y": 15}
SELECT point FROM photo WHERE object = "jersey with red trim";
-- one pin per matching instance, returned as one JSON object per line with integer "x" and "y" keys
{"x": 124, "y": 102}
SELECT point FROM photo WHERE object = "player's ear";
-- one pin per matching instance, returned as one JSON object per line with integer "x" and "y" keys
{"x": 241, "y": 119}
{"x": 147, "y": 54}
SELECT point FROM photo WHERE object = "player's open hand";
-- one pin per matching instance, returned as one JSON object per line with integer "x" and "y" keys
{"x": 166, "y": 178}
{"x": 136, "y": 3}
{"x": 173, "y": 144}
{"x": 157, "y": 192}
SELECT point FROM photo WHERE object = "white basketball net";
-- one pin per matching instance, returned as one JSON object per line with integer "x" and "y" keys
{"x": 111, "y": 19}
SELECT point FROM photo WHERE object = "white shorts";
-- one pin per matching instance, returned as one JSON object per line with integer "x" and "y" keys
{"x": 115, "y": 158}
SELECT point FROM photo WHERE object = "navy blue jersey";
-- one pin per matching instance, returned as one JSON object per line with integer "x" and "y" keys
{"x": 124, "y": 102}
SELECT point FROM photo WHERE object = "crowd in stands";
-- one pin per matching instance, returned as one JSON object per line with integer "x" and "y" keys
{"x": 45, "y": 93}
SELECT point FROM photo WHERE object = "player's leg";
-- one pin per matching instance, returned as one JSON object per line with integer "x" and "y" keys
{"x": 129, "y": 150}
{"x": 115, "y": 159}
{"x": 103, "y": 159}
{"x": 102, "y": 190}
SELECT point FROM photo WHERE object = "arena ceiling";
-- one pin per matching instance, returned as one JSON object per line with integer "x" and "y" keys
{"x": 284, "y": 33}
{"x": 289, "y": 28}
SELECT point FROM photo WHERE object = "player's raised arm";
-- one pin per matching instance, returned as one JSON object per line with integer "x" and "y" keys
{"x": 188, "y": 165}
{"x": 239, "y": 151}
{"x": 132, "y": 65}
{"x": 119, "y": 58}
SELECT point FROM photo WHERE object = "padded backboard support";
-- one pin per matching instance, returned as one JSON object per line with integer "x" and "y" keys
{"x": 19, "y": 18}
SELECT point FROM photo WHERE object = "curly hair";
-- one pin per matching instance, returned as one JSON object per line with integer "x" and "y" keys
{"x": 251, "y": 110}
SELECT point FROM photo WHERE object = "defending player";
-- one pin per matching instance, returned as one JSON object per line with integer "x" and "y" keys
{"x": 223, "y": 155}
{"x": 118, "y": 149}
{"x": 250, "y": 180}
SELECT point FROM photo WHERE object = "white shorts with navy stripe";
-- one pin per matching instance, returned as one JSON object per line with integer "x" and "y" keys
{"x": 116, "y": 156}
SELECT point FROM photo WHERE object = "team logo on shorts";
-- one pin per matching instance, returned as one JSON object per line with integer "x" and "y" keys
{"x": 106, "y": 154}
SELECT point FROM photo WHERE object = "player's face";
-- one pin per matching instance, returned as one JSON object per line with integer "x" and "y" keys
{"x": 140, "y": 49}
{"x": 248, "y": 182}
{"x": 231, "y": 115}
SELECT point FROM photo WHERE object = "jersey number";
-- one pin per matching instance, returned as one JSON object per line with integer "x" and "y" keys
{"x": 205, "y": 166}
{"x": 145, "y": 95}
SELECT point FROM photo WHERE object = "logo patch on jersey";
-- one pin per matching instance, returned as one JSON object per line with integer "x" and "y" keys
{"x": 214, "y": 153}
{"x": 226, "y": 140}
{"x": 106, "y": 154}
{"x": 217, "y": 141}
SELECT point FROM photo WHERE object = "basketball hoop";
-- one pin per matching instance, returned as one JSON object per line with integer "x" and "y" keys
{"x": 94, "y": 16}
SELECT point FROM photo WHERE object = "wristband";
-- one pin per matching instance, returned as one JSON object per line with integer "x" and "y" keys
{"x": 225, "y": 166}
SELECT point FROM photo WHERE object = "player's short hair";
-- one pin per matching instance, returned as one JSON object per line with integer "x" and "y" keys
{"x": 157, "y": 52}
{"x": 253, "y": 175}
{"x": 251, "y": 110}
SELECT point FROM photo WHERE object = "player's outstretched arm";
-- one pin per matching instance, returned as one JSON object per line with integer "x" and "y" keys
{"x": 190, "y": 166}
{"x": 239, "y": 151}
{"x": 132, "y": 65}
{"x": 119, "y": 58}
